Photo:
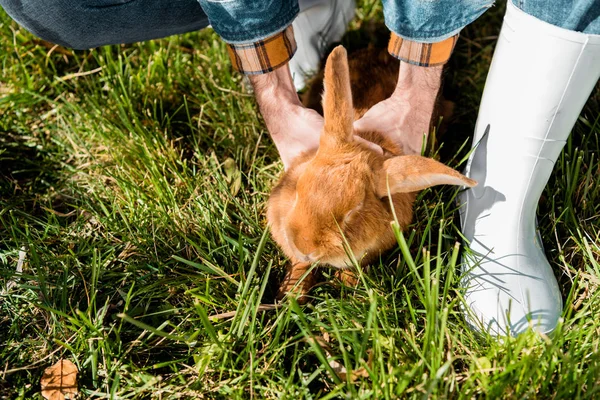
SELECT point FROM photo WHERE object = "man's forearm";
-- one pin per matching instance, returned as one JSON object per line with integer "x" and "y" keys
{"x": 293, "y": 128}
{"x": 415, "y": 79}
{"x": 275, "y": 94}
{"x": 417, "y": 89}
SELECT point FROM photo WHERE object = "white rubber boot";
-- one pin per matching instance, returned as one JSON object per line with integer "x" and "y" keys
{"x": 319, "y": 24}
{"x": 540, "y": 78}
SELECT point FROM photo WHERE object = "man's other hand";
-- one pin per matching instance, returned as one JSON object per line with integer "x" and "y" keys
{"x": 405, "y": 117}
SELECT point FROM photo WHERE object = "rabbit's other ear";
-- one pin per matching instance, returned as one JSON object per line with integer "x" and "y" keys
{"x": 338, "y": 111}
{"x": 405, "y": 174}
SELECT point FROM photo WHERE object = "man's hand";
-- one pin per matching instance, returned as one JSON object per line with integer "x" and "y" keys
{"x": 405, "y": 117}
{"x": 294, "y": 128}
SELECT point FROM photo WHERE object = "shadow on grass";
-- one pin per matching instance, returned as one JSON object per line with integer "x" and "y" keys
{"x": 27, "y": 171}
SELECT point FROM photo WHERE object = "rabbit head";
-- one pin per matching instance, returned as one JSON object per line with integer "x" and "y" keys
{"x": 335, "y": 202}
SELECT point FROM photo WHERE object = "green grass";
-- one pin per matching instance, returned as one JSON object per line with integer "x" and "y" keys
{"x": 138, "y": 192}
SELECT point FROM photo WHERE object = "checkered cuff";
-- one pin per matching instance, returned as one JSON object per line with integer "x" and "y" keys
{"x": 264, "y": 55}
{"x": 423, "y": 54}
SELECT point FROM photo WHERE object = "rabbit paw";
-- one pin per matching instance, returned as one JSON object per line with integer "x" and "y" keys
{"x": 293, "y": 284}
{"x": 349, "y": 277}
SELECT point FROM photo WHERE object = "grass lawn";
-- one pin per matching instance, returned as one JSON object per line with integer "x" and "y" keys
{"x": 133, "y": 182}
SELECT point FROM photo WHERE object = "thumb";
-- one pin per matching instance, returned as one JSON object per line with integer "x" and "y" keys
{"x": 376, "y": 148}
{"x": 370, "y": 121}
{"x": 363, "y": 124}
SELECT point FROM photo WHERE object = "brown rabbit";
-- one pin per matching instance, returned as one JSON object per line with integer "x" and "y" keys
{"x": 335, "y": 200}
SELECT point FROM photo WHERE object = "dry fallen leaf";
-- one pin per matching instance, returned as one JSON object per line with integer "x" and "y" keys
{"x": 59, "y": 381}
{"x": 338, "y": 367}
{"x": 341, "y": 371}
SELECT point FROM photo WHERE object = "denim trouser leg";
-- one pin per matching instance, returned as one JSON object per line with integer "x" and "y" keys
{"x": 90, "y": 23}
{"x": 435, "y": 20}
{"x": 431, "y": 21}
{"x": 245, "y": 21}
{"x": 84, "y": 24}
{"x": 575, "y": 15}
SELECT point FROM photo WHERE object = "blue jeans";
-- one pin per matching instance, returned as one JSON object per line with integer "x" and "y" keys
{"x": 434, "y": 20}
{"x": 83, "y": 24}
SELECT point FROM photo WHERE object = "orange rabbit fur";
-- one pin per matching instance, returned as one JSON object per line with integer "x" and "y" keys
{"x": 339, "y": 193}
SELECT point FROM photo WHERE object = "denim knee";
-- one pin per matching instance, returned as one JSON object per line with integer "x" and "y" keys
{"x": 56, "y": 21}
{"x": 85, "y": 24}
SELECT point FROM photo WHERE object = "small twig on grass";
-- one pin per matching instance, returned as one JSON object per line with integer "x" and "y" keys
{"x": 231, "y": 314}
{"x": 78, "y": 74}
{"x": 34, "y": 364}
{"x": 52, "y": 47}
{"x": 58, "y": 213}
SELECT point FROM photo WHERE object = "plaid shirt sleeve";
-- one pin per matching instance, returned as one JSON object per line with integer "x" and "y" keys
{"x": 275, "y": 51}
{"x": 423, "y": 54}
{"x": 264, "y": 55}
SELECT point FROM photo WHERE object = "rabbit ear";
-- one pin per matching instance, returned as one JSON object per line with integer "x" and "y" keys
{"x": 337, "y": 98}
{"x": 404, "y": 174}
